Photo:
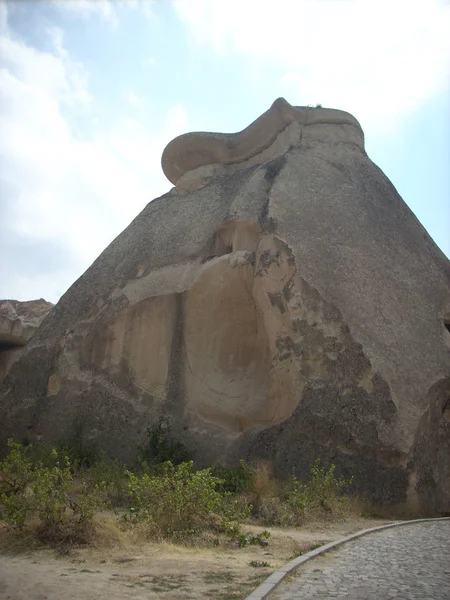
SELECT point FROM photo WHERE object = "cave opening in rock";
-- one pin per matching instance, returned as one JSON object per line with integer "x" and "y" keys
{"x": 4, "y": 345}
{"x": 446, "y": 411}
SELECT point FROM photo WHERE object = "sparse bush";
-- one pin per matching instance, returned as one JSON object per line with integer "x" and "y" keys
{"x": 16, "y": 475}
{"x": 322, "y": 491}
{"x": 63, "y": 503}
{"x": 263, "y": 488}
{"x": 178, "y": 500}
{"x": 60, "y": 497}
{"x": 234, "y": 480}
{"x": 288, "y": 504}
{"x": 110, "y": 473}
{"x": 161, "y": 447}
{"x": 80, "y": 451}
{"x": 232, "y": 514}
{"x": 323, "y": 487}
{"x": 248, "y": 539}
{"x": 297, "y": 499}
{"x": 230, "y": 524}
{"x": 263, "y": 494}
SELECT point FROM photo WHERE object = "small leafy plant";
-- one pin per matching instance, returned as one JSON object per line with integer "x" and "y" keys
{"x": 259, "y": 564}
{"x": 324, "y": 486}
{"x": 177, "y": 500}
{"x": 321, "y": 491}
{"x": 16, "y": 476}
{"x": 63, "y": 501}
{"x": 234, "y": 480}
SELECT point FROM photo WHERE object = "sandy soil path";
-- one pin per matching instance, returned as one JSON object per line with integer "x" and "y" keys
{"x": 156, "y": 571}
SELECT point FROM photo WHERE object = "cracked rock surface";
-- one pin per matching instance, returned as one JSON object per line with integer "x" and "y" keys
{"x": 283, "y": 304}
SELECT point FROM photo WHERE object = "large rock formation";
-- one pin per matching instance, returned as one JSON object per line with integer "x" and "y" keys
{"x": 18, "y": 322}
{"x": 281, "y": 302}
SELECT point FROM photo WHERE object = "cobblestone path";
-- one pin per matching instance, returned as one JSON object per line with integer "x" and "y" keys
{"x": 403, "y": 563}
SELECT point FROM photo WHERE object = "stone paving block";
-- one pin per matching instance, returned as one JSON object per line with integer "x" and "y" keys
{"x": 409, "y": 562}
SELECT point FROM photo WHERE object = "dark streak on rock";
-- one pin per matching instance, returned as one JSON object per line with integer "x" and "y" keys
{"x": 277, "y": 301}
{"x": 175, "y": 379}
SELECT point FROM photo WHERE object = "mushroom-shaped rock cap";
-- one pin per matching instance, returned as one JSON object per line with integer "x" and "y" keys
{"x": 192, "y": 150}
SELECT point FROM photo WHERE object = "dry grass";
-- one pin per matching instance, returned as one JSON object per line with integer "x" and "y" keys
{"x": 107, "y": 555}
{"x": 103, "y": 532}
{"x": 264, "y": 484}
{"x": 122, "y": 562}
{"x": 270, "y": 508}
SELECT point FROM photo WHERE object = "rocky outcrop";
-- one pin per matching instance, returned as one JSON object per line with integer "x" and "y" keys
{"x": 280, "y": 303}
{"x": 193, "y": 150}
{"x": 18, "y": 322}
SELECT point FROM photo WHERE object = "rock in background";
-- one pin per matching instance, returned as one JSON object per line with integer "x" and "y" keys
{"x": 18, "y": 322}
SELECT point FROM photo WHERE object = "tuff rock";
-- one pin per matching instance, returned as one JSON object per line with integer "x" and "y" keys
{"x": 281, "y": 302}
{"x": 18, "y": 322}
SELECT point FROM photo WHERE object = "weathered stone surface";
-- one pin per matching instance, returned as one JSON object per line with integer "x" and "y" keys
{"x": 281, "y": 302}
{"x": 18, "y": 322}
{"x": 193, "y": 150}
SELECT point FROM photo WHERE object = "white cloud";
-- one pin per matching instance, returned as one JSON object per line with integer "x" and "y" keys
{"x": 106, "y": 10}
{"x": 380, "y": 59}
{"x": 134, "y": 99}
{"x": 85, "y": 9}
{"x": 3, "y": 17}
{"x": 44, "y": 71}
{"x": 148, "y": 61}
{"x": 64, "y": 199}
{"x": 145, "y": 6}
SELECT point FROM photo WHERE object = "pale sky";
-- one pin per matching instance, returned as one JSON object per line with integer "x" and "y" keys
{"x": 91, "y": 91}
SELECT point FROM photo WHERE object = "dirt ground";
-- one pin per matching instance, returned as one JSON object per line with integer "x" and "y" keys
{"x": 122, "y": 567}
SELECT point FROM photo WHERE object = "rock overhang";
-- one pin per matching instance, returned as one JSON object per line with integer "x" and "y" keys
{"x": 190, "y": 151}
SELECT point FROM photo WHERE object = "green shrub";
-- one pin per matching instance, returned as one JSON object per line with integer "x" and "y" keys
{"x": 61, "y": 497}
{"x": 230, "y": 524}
{"x": 232, "y": 514}
{"x": 64, "y": 502}
{"x": 44, "y": 486}
{"x": 161, "y": 447}
{"x": 323, "y": 487}
{"x": 16, "y": 475}
{"x": 288, "y": 505}
{"x": 178, "y": 500}
{"x": 234, "y": 480}
{"x": 247, "y": 539}
{"x": 110, "y": 474}
{"x": 321, "y": 491}
{"x": 297, "y": 497}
